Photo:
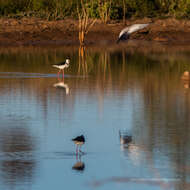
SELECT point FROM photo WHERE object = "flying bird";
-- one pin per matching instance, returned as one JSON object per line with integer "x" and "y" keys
{"x": 61, "y": 66}
{"x": 125, "y": 33}
{"x": 79, "y": 141}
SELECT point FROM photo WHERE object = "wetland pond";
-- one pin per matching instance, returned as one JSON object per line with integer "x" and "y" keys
{"x": 103, "y": 92}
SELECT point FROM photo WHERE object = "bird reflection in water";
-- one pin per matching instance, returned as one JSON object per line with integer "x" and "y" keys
{"x": 62, "y": 85}
{"x": 79, "y": 165}
{"x": 128, "y": 148}
{"x": 125, "y": 139}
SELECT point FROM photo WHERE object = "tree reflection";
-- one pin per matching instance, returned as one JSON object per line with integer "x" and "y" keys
{"x": 160, "y": 110}
{"x": 166, "y": 106}
{"x": 18, "y": 163}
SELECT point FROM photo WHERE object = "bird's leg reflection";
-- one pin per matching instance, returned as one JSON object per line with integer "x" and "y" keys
{"x": 79, "y": 165}
{"x": 61, "y": 80}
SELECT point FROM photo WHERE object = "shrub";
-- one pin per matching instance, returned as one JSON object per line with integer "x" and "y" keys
{"x": 62, "y": 8}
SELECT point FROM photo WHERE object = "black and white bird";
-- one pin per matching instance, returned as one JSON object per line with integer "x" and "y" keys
{"x": 125, "y": 33}
{"x": 61, "y": 66}
{"x": 79, "y": 141}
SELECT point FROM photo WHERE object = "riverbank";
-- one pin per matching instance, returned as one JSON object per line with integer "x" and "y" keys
{"x": 38, "y": 32}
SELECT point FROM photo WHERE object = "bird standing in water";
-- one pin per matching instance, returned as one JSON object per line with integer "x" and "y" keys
{"x": 79, "y": 141}
{"x": 61, "y": 66}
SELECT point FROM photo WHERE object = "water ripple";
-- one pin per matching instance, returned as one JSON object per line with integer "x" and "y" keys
{"x": 33, "y": 75}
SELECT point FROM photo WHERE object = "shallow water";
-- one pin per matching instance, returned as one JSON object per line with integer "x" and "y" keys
{"x": 102, "y": 93}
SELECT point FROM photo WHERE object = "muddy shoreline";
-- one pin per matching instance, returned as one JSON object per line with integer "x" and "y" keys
{"x": 38, "y": 32}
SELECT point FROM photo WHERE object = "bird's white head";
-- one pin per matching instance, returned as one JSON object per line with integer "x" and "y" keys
{"x": 67, "y": 61}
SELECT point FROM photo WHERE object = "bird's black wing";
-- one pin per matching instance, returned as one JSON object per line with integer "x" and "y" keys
{"x": 60, "y": 63}
{"x": 79, "y": 138}
{"x": 123, "y": 37}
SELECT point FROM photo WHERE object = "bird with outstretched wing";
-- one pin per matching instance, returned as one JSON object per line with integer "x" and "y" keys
{"x": 125, "y": 33}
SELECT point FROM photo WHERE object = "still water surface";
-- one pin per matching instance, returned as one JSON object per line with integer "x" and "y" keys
{"x": 102, "y": 92}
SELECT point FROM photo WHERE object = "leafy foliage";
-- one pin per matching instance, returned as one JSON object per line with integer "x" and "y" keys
{"x": 104, "y": 9}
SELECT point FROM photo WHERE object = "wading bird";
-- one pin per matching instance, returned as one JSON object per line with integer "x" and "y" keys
{"x": 79, "y": 141}
{"x": 125, "y": 33}
{"x": 61, "y": 66}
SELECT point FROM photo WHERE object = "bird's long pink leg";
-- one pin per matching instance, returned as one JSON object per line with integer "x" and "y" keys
{"x": 80, "y": 148}
{"x": 63, "y": 73}
{"x": 77, "y": 150}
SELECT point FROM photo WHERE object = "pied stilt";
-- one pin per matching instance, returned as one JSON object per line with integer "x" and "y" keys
{"x": 79, "y": 141}
{"x": 61, "y": 66}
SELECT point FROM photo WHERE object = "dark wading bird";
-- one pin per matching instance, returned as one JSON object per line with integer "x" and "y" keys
{"x": 61, "y": 66}
{"x": 79, "y": 141}
{"x": 125, "y": 33}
